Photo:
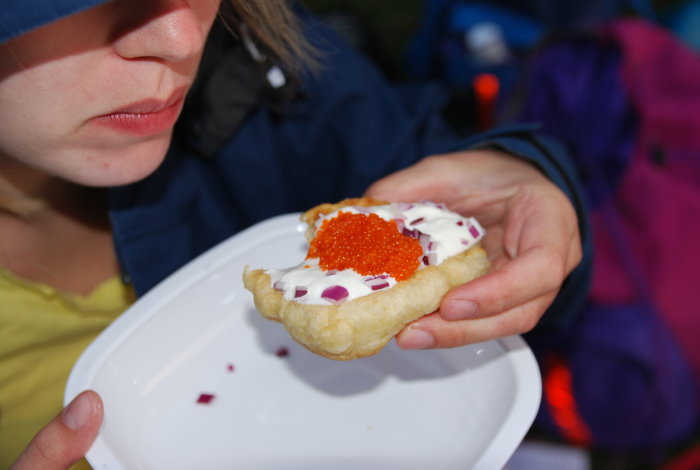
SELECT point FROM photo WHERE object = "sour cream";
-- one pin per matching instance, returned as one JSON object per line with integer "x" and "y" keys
{"x": 442, "y": 233}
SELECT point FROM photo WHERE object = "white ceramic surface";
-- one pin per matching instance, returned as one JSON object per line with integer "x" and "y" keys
{"x": 463, "y": 408}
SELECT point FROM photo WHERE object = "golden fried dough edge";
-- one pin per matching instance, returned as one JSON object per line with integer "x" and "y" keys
{"x": 363, "y": 326}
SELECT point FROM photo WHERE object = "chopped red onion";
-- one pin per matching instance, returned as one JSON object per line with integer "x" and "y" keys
{"x": 411, "y": 233}
{"x": 400, "y": 224}
{"x": 460, "y": 223}
{"x": 378, "y": 276}
{"x": 377, "y": 282}
{"x": 417, "y": 221}
{"x": 300, "y": 291}
{"x": 474, "y": 231}
{"x": 205, "y": 398}
{"x": 332, "y": 272}
{"x": 425, "y": 242}
{"x": 279, "y": 285}
{"x": 282, "y": 352}
{"x": 230, "y": 368}
{"x": 335, "y": 293}
{"x": 430, "y": 259}
{"x": 381, "y": 286}
{"x": 404, "y": 206}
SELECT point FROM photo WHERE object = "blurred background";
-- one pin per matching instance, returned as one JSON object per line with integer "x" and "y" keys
{"x": 617, "y": 83}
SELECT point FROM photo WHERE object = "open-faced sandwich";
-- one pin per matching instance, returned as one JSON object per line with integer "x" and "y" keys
{"x": 372, "y": 268}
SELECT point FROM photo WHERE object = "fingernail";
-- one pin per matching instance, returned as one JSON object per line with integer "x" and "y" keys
{"x": 458, "y": 310}
{"x": 78, "y": 412}
{"x": 415, "y": 338}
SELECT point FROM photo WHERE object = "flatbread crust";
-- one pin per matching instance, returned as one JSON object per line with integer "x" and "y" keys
{"x": 363, "y": 326}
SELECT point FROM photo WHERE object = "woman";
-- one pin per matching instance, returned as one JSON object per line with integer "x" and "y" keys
{"x": 90, "y": 93}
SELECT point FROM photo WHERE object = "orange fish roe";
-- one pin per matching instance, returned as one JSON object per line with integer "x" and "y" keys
{"x": 366, "y": 243}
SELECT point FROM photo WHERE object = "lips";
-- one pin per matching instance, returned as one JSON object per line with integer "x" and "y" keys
{"x": 146, "y": 117}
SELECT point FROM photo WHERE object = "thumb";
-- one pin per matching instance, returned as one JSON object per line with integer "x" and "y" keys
{"x": 67, "y": 438}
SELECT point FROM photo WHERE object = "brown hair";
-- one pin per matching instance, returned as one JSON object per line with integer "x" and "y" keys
{"x": 277, "y": 28}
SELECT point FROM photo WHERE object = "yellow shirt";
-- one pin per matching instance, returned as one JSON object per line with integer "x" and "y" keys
{"x": 42, "y": 333}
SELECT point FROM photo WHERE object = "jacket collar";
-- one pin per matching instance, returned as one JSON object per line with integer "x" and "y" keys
{"x": 234, "y": 80}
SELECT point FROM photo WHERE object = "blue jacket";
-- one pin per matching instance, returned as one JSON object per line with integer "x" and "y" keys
{"x": 345, "y": 128}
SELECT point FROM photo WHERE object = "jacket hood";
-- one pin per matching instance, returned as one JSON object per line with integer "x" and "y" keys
{"x": 21, "y": 16}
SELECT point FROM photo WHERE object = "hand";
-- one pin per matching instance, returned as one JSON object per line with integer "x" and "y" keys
{"x": 532, "y": 240}
{"x": 67, "y": 438}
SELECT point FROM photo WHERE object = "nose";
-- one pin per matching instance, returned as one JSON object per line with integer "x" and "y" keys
{"x": 169, "y": 30}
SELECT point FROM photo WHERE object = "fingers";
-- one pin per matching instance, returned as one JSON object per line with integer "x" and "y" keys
{"x": 532, "y": 274}
{"x": 67, "y": 438}
{"x": 539, "y": 247}
{"x": 510, "y": 300}
{"x": 532, "y": 238}
{"x": 433, "y": 331}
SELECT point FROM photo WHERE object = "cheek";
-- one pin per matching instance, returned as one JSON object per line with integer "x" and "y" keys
{"x": 34, "y": 137}
{"x": 38, "y": 120}
{"x": 25, "y": 133}
{"x": 43, "y": 111}
{"x": 42, "y": 102}
{"x": 207, "y": 11}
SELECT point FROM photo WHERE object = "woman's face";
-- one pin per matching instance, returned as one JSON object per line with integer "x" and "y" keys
{"x": 93, "y": 97}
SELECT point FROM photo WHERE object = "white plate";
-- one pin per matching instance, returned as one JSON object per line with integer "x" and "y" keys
{"x": 464, "y": 408}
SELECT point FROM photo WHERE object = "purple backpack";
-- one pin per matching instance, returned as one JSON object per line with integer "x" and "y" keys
{"x": 625, "y": 100}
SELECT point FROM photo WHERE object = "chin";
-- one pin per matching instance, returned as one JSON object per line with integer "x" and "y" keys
{"x": 122, "y": 167}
